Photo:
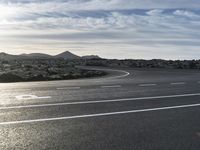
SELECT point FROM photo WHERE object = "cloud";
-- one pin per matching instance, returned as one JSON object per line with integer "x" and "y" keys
{"x": 185, "y": 13}
{"x": 136, "y": 25}
{"x": 77, "y": 5}
{"x": 155, "y": 12}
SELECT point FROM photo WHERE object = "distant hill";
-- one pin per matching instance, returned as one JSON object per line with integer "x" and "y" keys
{"x": 37, "y": 55}
{"x": 5, "y": 56}
{"x": 91, "y": 57}
{"x": 67, "y": 55}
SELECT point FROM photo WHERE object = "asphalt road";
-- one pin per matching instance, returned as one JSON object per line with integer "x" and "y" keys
{"x": 130, "y": 109}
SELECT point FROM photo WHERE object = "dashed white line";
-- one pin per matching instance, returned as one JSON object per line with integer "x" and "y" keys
{"x": 68, "y": 88}
{"x": 111, "y": 86}
{"x": 98, "y": 101}
{"x": 178, "y": 83}
{"x": 31, "y": 97}
{"x": 15, "y": 90}
{"x": 100, "y": 114}
{"x": 147, "y": 84}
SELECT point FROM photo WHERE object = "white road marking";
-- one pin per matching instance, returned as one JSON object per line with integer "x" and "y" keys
{"x": 111, "y": 86}
{"x": 178, "y": 83}
{"x": 147, "y": 84}
{"x": 98, "y": 101}
{"x": 126, "y": 73}
{"x": 15, "y": 90}
{"x": 121, "y": 76}
{"x": 30, "y": 97}
{"x": 68, "y": 88}
{"x": 100, "y": 114}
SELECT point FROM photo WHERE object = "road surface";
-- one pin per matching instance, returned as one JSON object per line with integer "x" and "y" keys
{"x": 130, "y": 109}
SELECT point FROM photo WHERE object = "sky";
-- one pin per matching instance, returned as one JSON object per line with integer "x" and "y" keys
{"x": 136, "y": 29}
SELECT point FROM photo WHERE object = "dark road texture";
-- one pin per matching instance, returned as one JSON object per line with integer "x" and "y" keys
{"x": 129, "y": 109}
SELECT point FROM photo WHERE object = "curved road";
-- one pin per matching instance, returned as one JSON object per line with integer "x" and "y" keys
{"x": 129, "y": 109}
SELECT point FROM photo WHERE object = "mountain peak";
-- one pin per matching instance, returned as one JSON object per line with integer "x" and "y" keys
{"x": 67, "y": 55}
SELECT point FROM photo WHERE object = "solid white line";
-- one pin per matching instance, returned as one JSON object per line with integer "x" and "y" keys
{"x": 111, "y": 86}
{"x": 68, "y": 88}
{"x": 147, "y": 84}
{"x": 122, "y": 76}
{"x": 178, "y": 83}
{"x": 126, "y": 73}
{"x": 99, "y": 101}
{"x": 99, "y": 114}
